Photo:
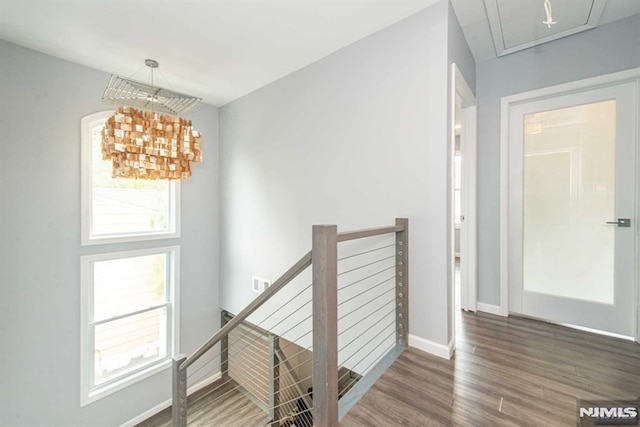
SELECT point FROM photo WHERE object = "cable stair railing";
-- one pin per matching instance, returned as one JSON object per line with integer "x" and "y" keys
{"x": 304, "y": 351}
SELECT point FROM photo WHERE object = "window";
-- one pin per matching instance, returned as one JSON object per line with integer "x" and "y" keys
{"x": 129, "y": 296}
{"x": 120, "y": 209}
{"x": 128, "y": 317}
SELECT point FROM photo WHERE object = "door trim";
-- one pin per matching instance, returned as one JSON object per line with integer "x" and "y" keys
{"x": 464, "y": 97}
{"x": 507, "y": 102}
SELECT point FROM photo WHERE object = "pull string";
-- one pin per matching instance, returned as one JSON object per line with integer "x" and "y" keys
{"x": 547, "y": 9}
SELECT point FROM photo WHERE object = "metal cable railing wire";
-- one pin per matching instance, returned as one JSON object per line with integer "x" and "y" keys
{"x": 343, "y": 287}
{"x": 262, "y": 364}
{"x": 369, "y": 289}
{"x": 251, "y": 378}
{"x": 284, "y": 317}
{"x": 369, "y": 366}
{"x": 365, "y": 252}
{"x": 361, "y": 336}
{"x": 260, "y": 324}
{"x": 353, "y": 312}
{"x": 287, "y": 397}
{"x": 365, "y": 265}
{"x": 365, "y": 346}
{"x": 363, "y": 305}
{"x": 292, "y": 328}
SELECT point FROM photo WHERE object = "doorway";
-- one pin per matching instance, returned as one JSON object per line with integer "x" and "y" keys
{"x": 570, "y": 212}
{"x": 463, "y": 221}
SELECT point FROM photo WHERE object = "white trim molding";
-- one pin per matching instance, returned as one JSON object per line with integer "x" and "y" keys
{"x": 431, "y": 347}
{"x": 491, "y": 309}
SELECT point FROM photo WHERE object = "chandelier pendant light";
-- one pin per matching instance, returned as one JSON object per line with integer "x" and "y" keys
{"x": 152, "y": 144}
{"x": 147, "y": 145}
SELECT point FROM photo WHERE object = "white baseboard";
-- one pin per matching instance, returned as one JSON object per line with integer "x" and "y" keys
{"x": 491, "y": 309}
{"x": 164, "y": 405}
{"x": 440, "y": 350}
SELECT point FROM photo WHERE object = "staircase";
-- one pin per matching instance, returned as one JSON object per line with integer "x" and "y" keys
{"x": 301, "y": 353}
{"x": 233, "y": 406}
{"x": 228, "y": 403}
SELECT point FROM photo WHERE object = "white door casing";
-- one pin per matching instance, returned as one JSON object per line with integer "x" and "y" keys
{"x": 464, "y": 98}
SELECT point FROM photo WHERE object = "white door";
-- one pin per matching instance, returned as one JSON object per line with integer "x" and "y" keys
{"x": 464, "y": 104}
{"x": 571, "y": 175}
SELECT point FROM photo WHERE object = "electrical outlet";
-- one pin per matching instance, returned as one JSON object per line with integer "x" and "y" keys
{"x": 260, "y": 284}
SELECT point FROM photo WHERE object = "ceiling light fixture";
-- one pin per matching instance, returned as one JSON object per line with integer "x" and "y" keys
{"x": 152, "y": 144}
{"x": 547, "y": 8}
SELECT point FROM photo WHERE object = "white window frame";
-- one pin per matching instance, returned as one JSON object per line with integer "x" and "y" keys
{"x": 91, "y": 393}
{"x": 87, "y": 237}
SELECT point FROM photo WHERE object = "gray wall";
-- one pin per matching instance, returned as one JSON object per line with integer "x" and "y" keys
{"x": 42, "y": 100}
{"x": 607, "y": 49}
{"x": 459, "y": 51}
{"x": 355, "y": 139}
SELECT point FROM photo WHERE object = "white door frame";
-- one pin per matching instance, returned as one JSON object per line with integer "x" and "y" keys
{"x": 463, "y": 97}
{"x": 507, "y": 102}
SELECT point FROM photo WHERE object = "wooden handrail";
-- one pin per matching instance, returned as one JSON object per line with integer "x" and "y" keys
{"x": 368, "y": 232}
{"x": 287, "y": 277}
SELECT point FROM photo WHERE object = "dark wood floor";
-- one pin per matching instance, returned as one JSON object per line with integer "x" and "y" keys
{"x": 506, "y": 372}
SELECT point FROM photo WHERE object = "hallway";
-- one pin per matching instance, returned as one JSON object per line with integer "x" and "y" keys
{"x": 506, "y": 372}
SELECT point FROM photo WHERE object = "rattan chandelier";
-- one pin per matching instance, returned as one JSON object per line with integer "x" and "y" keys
{"x": 146, "y": 138}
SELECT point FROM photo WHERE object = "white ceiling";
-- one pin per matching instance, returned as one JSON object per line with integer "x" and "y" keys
{"x": 215, "y": 49}
{"x": 222, "y": 49}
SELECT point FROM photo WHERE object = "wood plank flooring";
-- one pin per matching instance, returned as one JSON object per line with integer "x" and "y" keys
{"x": 234, "y": 409}
{"x": 506, "y": 372}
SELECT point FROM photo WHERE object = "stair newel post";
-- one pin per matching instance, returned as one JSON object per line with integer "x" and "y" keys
{"x": 224, "y": 347}
{"x": 179, "y": 405}
{"x": 325, "y": 325}
{"x": 274, "y": 381}
{"x": 402, "y": 283}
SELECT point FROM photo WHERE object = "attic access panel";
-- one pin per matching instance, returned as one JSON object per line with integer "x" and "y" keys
{"x": 517, "y": 24}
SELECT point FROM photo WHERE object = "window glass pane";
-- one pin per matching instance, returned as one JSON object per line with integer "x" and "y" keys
{"x": 124, "y": 285}
{"x": 569, "y": 195}
{"x": 127, "y": 344}
{"x": 126, "y": 206}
